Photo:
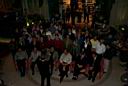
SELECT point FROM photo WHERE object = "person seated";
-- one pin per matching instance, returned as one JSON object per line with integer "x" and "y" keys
{"x": 65, "y": 61}
{"x": 79, "y": 65}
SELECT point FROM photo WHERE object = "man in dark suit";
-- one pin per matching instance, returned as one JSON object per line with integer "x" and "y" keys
{"x": 43, "y": 66}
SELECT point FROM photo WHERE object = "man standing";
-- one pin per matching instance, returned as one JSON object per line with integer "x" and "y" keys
{"x": 43, "y": 66}
{"x": 53, "y": 58}
{"x": 20, "y": 60}
{"x": 100, "y": 50}
{"x": 33, "y": 58}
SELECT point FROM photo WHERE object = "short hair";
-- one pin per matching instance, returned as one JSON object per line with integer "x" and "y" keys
{"x": 66, "y": 49}
{"x": 44, "y": 51}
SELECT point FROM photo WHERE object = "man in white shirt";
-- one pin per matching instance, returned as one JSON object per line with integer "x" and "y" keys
{"x": 100, "y": 50}
{"x": 65, "y": 60}
{"x": 100, "y": 47}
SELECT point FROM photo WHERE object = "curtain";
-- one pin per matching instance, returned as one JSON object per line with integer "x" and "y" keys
{"x": 119, "y": 13}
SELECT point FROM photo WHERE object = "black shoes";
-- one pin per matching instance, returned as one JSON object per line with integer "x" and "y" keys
{"x": 66, "y": 75}
{"x": 74, "y": 78}
{"x": 89, "y": 78}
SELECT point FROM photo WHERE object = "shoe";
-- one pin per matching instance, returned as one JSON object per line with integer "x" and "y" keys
{"x": 93, "y": 80}
{"x": 59, "y": 75}
{"x": 33, "y": 73}
{"x": 86, "y": 75}
{"x": 89, "y": 78}
{"x": 66, "y": 75}
{"x": 74, "y": 78}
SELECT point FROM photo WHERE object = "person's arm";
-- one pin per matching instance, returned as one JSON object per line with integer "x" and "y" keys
{"x": 55, "y": 56}
{"x": 25, "y": 55}
{"x": 31, "y": 56}
{"x": 104, "y": 49}
{"x": 61, "y": 58}
{"x": 39, "y": 53}
{"x": 69, "y": 59}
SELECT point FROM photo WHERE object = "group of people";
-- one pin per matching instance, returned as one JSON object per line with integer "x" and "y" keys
{"x": 59, "y": 47}
{"x": 72, "y": 13}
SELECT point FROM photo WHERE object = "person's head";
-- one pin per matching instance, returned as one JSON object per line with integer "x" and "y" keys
{"x": 95, "y": 38}
{"x": 56, "y": 36}
{"x": 35, "y": 49}
{"x": 108, "y": 46}
{"x": 66, "y": 51}
{"x": 67, "y": 36}
{"x": 52, "y": 49}
{"x": 41, "y": 39}
{"x": 69, "y": 30}
{"x": 49, "y": 37}
{"x": 88, "y": 39}
{"x": 93, "y": 54}
{"x": 19, "y": 49}
{"x": 101, "y": 40}
{"x": 44, "y": 51}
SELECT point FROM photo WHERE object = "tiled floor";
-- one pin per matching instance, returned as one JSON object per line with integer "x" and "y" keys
{"x": 12, "y": 78}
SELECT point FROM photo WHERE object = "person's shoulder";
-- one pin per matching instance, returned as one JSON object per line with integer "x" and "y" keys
{"x": 91, "y": 40}
{"x": 103, "y": 45}
{"x": 97, "y": 41}
{"x": 70, "y": 54}
{"x": 39, "y": 52}
{"x": 55, "y": 52}
{"x": 62, "y": 54}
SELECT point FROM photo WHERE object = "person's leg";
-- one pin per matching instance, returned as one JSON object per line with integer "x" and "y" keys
{"x": 32, "y": 67}
{"x": 52, "y": 67}
{"x": 19, "y": 67}
{"x": 60, "y": 69}
{"x": 90, "y": 74}
{"x": 42, "y": 80}
{"x": 23, "y": 67}
{"x": 48, "y": 80}
{"x": 56, "y": 63}
{"x": 87, "y": 69}
{"x": 76, "y": 72}
{"x": 62, "y": 76}
{"x": 66, "y": 70}
{"x": 94, "y": 74}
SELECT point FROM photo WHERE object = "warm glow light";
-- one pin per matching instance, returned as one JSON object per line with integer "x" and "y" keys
{"x": 27, "y": 24}
{"x": 67, "y": 1}
{"x": 32, "y": 22}
{"x": 123, "y": 28}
